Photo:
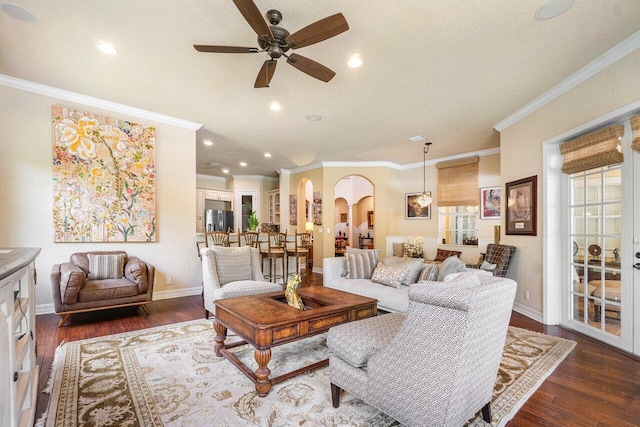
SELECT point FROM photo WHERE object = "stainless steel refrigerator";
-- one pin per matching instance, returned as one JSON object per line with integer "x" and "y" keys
{"x": 218, "y": 220}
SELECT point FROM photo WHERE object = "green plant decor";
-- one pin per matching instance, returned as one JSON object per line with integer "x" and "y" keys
{"x": 253, "y": 221}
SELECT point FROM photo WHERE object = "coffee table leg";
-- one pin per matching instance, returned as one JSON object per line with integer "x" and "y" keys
{"x": 263, "y": 385}
{"x": 221, "y": 335}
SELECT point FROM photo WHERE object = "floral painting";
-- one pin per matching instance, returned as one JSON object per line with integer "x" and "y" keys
{"x": 293, "y": 209}
{"x": 103, "y": 179}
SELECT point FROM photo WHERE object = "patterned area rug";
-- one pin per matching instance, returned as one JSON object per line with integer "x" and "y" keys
{"x": 169, "y": 376}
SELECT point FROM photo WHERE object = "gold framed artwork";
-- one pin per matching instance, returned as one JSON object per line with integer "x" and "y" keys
{"x": 343, "y": 217}
{"x": 370, "y": 219}
{"x": 521, "y": 206}
{"x": 104, "y": 176}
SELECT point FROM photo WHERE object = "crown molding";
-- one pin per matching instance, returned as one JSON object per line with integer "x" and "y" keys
{"x": 611, "y": 56}
{"x": 66, "y": 95}
{"x": 211, "y": 178}
{"x": 390, "y": 165}
{"x": 256, "y": 178}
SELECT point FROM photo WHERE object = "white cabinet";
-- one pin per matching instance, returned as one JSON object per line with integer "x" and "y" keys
{"x": 274, "y": 206}
{"x": 200, "y": 197}
{"x": 18, "y": 369}
{"x": 222, "y": 195}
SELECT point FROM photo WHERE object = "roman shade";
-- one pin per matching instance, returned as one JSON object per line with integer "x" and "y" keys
{"x": 635, "y": 127}
{"x": 593, "y": 150}
{"x": 458, "y": 182}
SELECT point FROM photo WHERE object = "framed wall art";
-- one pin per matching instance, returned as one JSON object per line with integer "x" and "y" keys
{"x": 343, "y": 217}
{"x": 521, "y": 206}
{"x": 370, "y": 219}
{"x": 413, "y": 208}
{"x": 490, "y": 203}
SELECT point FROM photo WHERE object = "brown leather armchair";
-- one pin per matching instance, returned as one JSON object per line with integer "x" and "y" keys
{"x": 76, "y": 291}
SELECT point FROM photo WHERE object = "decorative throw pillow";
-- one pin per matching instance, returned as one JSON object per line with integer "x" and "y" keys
{"x": 444, "y": 254}
{"x": 413, "y": 265}
{"x": 105, "y": 266}
{"x": 232, "y": 264}
{"x": 488, "y": 266}
{"x": 360, "y": 265}
{"x": 388, "y": 275}
{"x": 429, "y": 273}
{"x": 453, "y": 264}
{"x": 398, "y": 249}
{"x": 375, "y": 252}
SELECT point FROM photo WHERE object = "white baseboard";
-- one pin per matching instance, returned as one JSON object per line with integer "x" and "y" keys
{"x": 174, "y": 293}
{"x": 523, "y": 309}
{"x": 316, "y": 270}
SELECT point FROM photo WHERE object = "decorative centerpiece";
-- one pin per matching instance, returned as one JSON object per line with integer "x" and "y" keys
{"x": 293, "y": 299}
{"x": 413, "y": 248}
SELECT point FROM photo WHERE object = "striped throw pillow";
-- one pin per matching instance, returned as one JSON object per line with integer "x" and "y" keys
{"x": 429, "y": 272}
{"x": 360, "y": 265}
{"x": 105, "y": 266}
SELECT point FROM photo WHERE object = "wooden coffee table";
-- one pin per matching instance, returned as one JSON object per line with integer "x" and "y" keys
{"x": 266, "y": 321}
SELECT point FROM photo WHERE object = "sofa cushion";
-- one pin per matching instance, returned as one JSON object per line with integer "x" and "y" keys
{"x": 398, "y": 249}
{"x": 107, "y": 289}
{"x": 488, "y": 266}
{"x": 244, "y": 288}
{"x": 453, "y": 264}
{"x": 412, "y": 265}
{"x": 389, "y": 275}
{"x": 444, "y": 254}
{"x": 428, "y": 273}
{"x": 105, "y": 266}
{"x": 389, "y": 299}
{"x": 136, "y": 271}
{"x": 360, "y": 265}
{"x": 232, "y": 264}
{"x": 71, "y": 281}
{"x": 375, "y": 252}
{"x": 356, "y": 342}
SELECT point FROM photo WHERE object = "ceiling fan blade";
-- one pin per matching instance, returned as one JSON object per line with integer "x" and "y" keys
{"x": 318, "y": 31}
{"x": 252, "y": 15}
{"x": 311, "y": 67}
{"x": 266, "y": 73}
{"x": 224, "y": 49}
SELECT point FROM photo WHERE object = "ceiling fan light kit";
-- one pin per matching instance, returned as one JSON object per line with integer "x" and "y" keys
{"x": 276, "y": 41}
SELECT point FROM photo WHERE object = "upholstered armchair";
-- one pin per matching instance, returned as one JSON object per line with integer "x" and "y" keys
{"x": 500, "y": 255}
{"x": 232, "y": 272}
{"x": 100, "y": 280}
{"x": 434, "y": 366}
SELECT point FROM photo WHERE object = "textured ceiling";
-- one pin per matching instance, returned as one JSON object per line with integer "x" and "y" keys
{"x": 445, "y": 69}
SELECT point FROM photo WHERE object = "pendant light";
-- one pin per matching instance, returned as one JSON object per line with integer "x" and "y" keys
{"x": 424, "y": 199}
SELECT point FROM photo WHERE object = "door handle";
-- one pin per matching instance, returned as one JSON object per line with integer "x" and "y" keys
{"x": 636, "y": 266}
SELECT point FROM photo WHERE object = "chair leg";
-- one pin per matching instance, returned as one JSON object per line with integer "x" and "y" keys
{"x": 206, "y": 313}
{"x": 335, "y": 395}
{"x": 486, "y": 412}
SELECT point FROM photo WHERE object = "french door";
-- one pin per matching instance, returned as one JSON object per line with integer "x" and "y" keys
{"x": 604, "y": 239}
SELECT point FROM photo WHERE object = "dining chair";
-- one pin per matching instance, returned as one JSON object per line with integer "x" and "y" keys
{"x": 274, "y": 249}
{"x": 297, "y": 249}
{"x": 250, "y": 238}
{"x": 216, "y": 238}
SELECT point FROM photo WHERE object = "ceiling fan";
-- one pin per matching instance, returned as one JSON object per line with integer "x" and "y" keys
{"x": 276, "y": 41}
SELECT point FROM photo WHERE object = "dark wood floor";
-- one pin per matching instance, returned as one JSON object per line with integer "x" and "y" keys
{"x": 594, "y": 386}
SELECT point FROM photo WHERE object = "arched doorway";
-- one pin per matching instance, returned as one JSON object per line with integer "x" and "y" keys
{"x": 354, "y": 213}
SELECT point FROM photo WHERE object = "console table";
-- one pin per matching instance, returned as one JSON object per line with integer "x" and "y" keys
{"x": 18, "y": 369}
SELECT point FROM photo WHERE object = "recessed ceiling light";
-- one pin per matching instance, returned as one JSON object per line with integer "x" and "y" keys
{"x": 314, "y": 117}
{"x": 225, "y": 170}
{"x": 417, "y": 138}
{"x": 274, "y": 106}
{"x": 243, "y": 164}
{"x": 267, "y": 155}
{"x": 107, "y": 48}
{"x": 18, "y": 12}
{"x": 554, "y": 8}
{"x": 207, "y": 142}
{"x": 354, "y": 61}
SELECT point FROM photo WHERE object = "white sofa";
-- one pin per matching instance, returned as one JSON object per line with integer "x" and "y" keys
{"x": 389, "y": 298}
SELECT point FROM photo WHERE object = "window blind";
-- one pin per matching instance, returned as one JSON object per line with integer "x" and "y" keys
{"x": 458, "y": 182}
{"x": 593, "y": 150}
{"x": 635, "y": 126}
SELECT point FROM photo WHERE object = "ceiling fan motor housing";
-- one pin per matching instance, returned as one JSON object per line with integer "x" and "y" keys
{"x": 279, "y": 45}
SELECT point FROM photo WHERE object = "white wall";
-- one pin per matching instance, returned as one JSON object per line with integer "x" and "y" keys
{"x": 26, "y": 192}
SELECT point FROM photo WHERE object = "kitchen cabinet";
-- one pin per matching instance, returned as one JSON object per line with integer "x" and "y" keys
{"x": 222, "y": 195}
{"x": 274, "y": 206}
{"x": 18, "y": 369}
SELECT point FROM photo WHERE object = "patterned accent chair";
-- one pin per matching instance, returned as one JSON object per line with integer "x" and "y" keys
{"x": 232, "y": 272}
{"x": 434, "y": 366}
{"x": 501, "y": 256}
